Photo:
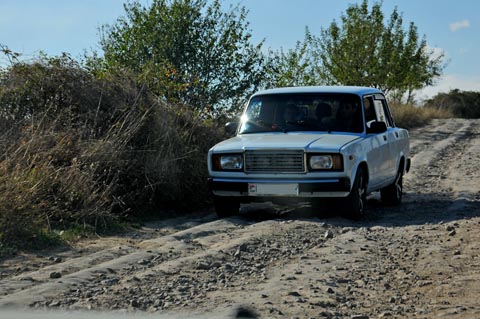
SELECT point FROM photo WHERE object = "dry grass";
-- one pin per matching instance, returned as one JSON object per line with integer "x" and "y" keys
{"x": 409, "y": 116}
{"x": 53, "y": 179}
{"x": 83, "y": 152}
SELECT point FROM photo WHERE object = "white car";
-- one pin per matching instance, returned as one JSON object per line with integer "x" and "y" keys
{"x": 311, "y": 144}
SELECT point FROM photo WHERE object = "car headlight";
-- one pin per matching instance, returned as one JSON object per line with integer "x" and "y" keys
{"x": 227, "y": 162}
{"x": 331, "y": 162}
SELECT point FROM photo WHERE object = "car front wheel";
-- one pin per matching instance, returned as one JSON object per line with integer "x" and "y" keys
{"x": 355, "y": 202}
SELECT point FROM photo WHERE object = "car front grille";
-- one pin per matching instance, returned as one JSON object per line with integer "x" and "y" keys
{"x": 274, "y": 161}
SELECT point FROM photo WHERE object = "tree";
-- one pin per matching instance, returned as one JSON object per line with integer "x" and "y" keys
{"x": 187, "y": 51}
{"x": 294, "y": 67}
{"x": 364, "y": 50}
{"x": 9, "y": 55}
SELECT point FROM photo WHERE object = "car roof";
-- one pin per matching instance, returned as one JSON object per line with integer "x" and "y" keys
{"x": 359, "y": 90}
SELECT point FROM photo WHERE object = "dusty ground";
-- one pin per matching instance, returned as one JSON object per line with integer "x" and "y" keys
{"x": 419, "y": 260}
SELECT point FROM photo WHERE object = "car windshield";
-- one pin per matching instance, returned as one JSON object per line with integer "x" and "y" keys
{"x": 290, "y": 112}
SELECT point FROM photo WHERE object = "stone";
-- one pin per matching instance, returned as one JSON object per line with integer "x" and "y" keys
{"x": 201, "y": 265}
{"x": 449, "y": 228}
{"x": 110, "y": 281}
{"x": 55, "y": 275}
{"x": 143, "y": 262}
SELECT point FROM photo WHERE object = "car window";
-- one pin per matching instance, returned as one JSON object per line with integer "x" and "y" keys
{"x": 380, "y": 106}
{"x": 254, "y": 110}
{"x": 387, "y": 113}
{"x": 380, "y": 111}
{"x": 303, "y": 112}
{"x": 370, "y": 115}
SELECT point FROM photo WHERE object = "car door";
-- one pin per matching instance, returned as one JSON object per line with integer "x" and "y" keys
{"x": 391, "y": 135}
{"x": 378, "y": 152}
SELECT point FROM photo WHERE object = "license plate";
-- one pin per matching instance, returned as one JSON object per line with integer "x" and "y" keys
{"x": 256, "y": 189}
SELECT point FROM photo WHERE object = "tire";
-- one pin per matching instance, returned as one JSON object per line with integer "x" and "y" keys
{"x": 355, "y": 202}
{"x": 226, "y": 206}
{"x": 393, "y": 193}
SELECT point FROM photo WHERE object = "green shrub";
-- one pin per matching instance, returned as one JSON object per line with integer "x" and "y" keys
{"x": 463, "y": 104}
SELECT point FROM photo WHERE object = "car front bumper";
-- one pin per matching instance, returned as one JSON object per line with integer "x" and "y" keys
{"x": 328, "y": 187}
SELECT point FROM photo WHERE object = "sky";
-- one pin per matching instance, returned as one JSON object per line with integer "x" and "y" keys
{"x": 71, "y": 26}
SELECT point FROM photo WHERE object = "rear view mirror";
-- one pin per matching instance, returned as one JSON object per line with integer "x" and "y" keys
{"x": 377, "y": 127}
{"x": 231, "y": 127}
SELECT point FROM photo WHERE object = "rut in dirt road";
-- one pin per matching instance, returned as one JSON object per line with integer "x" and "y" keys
{"x": 444, "y": 157}
{"x": 418, "y": 260}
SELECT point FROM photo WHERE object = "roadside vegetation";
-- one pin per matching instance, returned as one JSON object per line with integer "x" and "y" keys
{"x": 464, "y": 104}
{"x": 410, "y": 116}
{"x": 80, "y": 152}
{"x": 87, "y": 145}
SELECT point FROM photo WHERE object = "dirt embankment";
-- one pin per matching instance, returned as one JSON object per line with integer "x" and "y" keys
{"x": 419, "y": 260}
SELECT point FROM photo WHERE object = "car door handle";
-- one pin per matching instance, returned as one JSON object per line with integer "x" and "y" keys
{"x": 384, "y": 137}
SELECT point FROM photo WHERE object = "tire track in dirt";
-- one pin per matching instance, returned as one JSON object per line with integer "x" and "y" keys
{"x": 432, "y": 158}
{"x": 32, "y": 287}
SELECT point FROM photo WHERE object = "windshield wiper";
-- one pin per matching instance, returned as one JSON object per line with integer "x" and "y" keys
{"x": 297, "y": 125}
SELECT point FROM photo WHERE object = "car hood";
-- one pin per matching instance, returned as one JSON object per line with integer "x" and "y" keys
{"x": 307, "y": 141}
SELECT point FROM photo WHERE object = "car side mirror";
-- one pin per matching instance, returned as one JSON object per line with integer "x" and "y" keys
{"x": 377, "y": 127}
{"x": 231, "y": 127}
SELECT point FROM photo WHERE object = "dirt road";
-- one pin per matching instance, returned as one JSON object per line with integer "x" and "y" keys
{"x": 419, "y": 260}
